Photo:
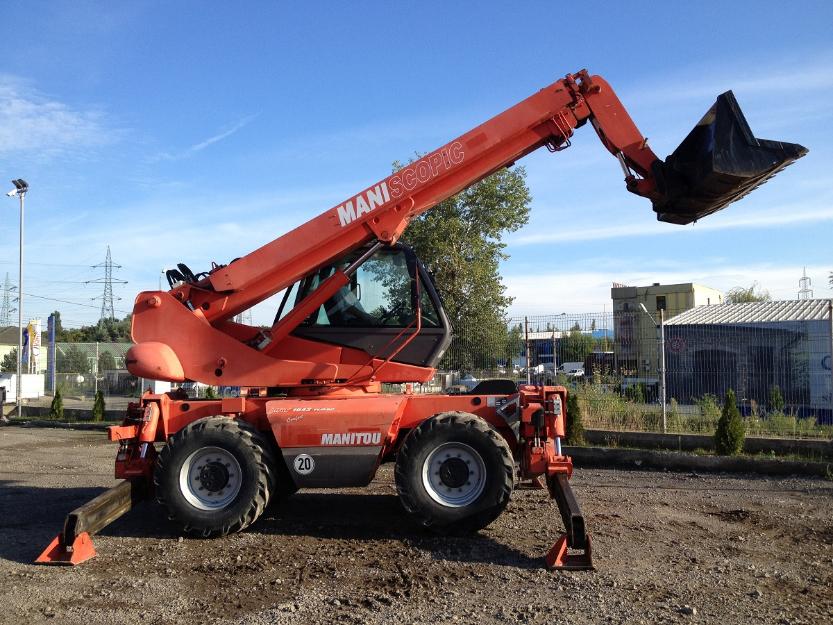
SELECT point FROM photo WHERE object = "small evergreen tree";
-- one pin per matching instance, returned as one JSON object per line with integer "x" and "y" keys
{"x": 776, "y": 400}
{"x": 56, "y": 409}
{"x": 210, "y": 393}
{"x": 728, "y": 438}
{"x": 98, "y": 406}
{"x": 575, "y": 427}
{"x": 636, "y": 393}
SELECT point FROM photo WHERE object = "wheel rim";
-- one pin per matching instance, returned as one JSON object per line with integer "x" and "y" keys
{"x": 454, "y": 475}
{"x": 210, "y": 478}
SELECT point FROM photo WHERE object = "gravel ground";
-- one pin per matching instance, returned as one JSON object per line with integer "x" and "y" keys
{"x": 668, "y": 547}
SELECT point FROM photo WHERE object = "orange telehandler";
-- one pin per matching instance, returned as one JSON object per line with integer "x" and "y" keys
{"x": 358, "y": 310}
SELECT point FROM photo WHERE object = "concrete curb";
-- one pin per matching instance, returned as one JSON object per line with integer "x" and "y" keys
{"x": 817, "y": 448}
{"x": 634, "y": 459}
{"x": 61, "y": 425}
{"x": 76, "y": 413}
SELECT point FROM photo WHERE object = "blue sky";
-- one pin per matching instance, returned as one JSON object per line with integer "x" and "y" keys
{"x": 194, "y": 131}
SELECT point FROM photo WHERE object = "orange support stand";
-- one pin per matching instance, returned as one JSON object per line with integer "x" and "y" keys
{"x": 559, "y": 559}
{"x": 74, "y": 545}
{"x": 79, "y": 551}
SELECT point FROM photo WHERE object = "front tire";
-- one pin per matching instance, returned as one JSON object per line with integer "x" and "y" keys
{"x": 215, "y": 476}
{"x": 455, "y": 473}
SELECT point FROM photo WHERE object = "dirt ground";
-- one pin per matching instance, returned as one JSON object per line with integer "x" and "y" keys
{"x": 668, "y": 547}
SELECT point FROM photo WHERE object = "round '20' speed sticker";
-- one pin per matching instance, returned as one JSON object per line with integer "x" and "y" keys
{"x": 304, "y": 464}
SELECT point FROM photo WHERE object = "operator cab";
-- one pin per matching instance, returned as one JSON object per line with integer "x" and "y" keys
{"x": 377, "y": 312}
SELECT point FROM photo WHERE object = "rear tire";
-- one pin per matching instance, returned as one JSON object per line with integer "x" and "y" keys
{"x": 455, "y": 473}
{"x": 215, "y": 476}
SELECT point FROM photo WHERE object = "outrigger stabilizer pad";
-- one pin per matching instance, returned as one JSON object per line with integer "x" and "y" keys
{"x": 74, "y": 545}
{"x": 80, "y": 550}
{"x": 560, "y": 559}
{"x": 575, "y": 537}
{"x": 719, "y": 162}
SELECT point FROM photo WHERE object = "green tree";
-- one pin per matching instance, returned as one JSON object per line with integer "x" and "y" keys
{"x": 776, "y": 400}
{"x": 9, "y": 364}
{"x": 59, "y": 327}
{"x": 106, "y": 361}
{"x": 72, "y": 360}
{"x": 514, "y": 345}
{"x": 728, "y": 438}
{"x": 743, "y": 295}
{"x": 460, "y": 241}
{"x": 210, "y": 393}
{"x": 636, "y": 393}
{"x": 576, "y": 345}
{"x": 105, "y": 331}
{"x": 98, "y": 406}
{"x": 575, "y": 426}
{"x": 56, "y": 409}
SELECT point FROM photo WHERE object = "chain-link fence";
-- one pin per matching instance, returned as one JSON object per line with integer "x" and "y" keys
{"x": 778, "y": 365}
{"x": 779, "y": 369}
{"x": 81, "y": 369}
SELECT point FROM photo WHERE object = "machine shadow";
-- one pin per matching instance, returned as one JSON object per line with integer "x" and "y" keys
{"x": 30, "y": 517}
{"x": 369, "y": 516}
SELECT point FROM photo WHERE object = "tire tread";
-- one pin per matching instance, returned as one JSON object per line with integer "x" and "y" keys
{"x": 426, "y": 430}
{"x": 259, "y": 445}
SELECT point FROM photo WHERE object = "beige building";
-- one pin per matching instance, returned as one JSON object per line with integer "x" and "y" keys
{"x": 637, "y": 342}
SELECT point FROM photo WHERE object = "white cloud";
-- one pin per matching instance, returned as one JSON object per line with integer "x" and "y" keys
{"x": 33, "y": 123}
{"x": 197, "y": 147}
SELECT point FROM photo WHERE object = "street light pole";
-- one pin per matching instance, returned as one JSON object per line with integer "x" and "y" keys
{"x": 20, "y": 189}
{"x": 661, "y": 362}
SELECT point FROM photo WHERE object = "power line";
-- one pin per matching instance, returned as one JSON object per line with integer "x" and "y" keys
{"x": 63, "y": 301}
{"x": 9, "y": 262}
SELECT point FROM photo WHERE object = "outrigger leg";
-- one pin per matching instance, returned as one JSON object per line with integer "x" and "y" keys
{"x": 575, "y": 537}
{"x": 74, "y": 545}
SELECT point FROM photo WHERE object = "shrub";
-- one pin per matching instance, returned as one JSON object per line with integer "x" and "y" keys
{"x": 636, "y": 393}
{"x": 56, "y": 409}
{"x": 776, "y": 400}
{"x": 728, "y": 438}
{"x": 675, "y": 419}
{"x": 709, "y": 414}
{"x": 575, "y": 427}
{"x": 98, "y": 406}
{"x": 210, "y": 393}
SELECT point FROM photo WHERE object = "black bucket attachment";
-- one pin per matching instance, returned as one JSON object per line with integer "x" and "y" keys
{"x": 720, "y": 161}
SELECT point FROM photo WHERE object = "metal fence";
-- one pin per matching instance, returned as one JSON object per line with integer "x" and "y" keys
{"x": 780, "y": 371}
{"x": 81, "y": 369}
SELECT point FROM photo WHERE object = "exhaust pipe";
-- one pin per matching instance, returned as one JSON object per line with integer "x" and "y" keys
{"x": 719, "y": 162}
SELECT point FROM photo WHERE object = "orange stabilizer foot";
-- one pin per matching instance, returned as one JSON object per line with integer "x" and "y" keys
{"x": 57, "y": 552}
{"x": 559, "y": 559}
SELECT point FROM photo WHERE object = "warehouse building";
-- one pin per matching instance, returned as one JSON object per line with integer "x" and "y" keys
{"x": 752, "y": 347}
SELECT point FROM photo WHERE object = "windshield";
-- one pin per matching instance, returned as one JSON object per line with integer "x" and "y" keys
{"x": 381, "y": 293}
